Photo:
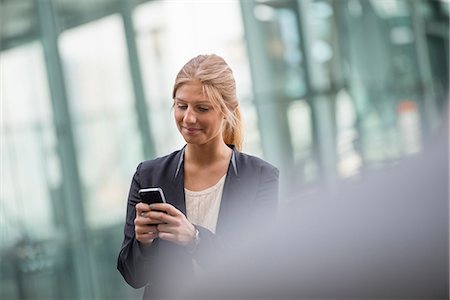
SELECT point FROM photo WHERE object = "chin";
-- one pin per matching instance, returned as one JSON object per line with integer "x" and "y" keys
{"x": 192, "y": 140}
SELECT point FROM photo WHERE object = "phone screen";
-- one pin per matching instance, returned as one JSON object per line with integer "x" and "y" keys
{"x": 152, "y": 195}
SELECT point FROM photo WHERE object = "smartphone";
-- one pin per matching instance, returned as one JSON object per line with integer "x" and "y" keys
{"x": 152, "y": 195}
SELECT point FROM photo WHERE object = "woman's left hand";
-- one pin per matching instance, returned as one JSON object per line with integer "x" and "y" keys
{"x": 175, "y": 228}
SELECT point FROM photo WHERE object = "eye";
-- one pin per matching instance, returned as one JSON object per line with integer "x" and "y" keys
{"x": 181, "y": 106}
{"x": 203, "y": 108}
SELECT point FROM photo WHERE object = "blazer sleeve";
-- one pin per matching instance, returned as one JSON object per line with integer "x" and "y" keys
{"x": 135, "y": 259}
{"x": 266, "y": 201}
{"x": 268, "y": 188}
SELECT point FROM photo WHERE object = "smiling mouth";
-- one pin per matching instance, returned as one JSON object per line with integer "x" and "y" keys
{"x": 191, "y": 130}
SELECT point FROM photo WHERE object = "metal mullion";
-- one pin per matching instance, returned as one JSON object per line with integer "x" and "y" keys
{"x": 76, "y": 229}
{"x": 136, "y": 77}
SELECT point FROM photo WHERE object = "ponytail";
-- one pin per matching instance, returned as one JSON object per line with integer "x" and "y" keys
{"x": 232, "y": 132}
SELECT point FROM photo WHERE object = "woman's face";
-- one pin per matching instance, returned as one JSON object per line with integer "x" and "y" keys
{"x": 197, "y": 120}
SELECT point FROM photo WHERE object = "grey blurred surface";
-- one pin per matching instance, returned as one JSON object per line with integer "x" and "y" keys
{"x": 382, "y": 237}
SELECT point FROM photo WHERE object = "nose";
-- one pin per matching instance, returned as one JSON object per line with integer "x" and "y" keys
{"x": 189, "y": 116}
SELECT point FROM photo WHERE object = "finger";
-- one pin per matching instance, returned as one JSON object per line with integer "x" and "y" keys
{"x": 167, "y": 228}
{"x": 146, "y": 229}
{"x": 154, "y": 221}
{"x": 147, "y": 237}
{"x": 145, "y": 220}
{"x": 146, "y": 234}
{"x": 142, "y": 207}
{"x": 168, "y": 208}
{"x": 141, "y": 221}
{"x": 167, "y": 236}
{"x": 162, "y": 217}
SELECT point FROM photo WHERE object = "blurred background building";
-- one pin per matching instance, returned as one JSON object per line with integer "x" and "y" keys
{"x": 329, "y": 89}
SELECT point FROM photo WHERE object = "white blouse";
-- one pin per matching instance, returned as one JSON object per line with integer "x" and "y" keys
{"x": 202, "y": 207}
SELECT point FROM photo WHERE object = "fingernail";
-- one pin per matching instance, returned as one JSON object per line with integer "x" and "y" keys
{"x": 152, "y": 206}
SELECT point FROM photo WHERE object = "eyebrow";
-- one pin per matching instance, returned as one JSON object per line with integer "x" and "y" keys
{"x": 196, "y": 102}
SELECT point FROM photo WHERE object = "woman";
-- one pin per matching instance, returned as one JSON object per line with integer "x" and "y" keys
{"x": 213, "y": 191}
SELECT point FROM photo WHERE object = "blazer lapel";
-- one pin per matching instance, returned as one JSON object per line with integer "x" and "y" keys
{"x": 176, "y": 195}
{"x": 229, "y": 199}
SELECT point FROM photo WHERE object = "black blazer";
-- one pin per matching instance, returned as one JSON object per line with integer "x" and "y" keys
{"x": 250, "y": 194}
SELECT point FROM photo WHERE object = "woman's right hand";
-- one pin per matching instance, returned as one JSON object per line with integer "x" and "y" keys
{"x": 146, "y": 229}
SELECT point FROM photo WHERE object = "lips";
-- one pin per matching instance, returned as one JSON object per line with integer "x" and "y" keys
{"x": 191, "y": 130}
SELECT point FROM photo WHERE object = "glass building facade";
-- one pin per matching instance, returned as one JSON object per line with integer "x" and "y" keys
{"x": 329, "y": 89}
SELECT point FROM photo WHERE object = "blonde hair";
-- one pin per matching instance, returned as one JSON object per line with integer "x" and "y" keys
{"x": 218, "y": 84}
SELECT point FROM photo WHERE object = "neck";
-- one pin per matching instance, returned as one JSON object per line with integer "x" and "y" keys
{"x": 206, "y": 154}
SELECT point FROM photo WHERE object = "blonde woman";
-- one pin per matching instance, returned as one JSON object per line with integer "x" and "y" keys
{"x": 213, "y": 191}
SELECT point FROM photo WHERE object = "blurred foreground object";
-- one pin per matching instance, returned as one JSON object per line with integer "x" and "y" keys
{"x": 383, "y": 237}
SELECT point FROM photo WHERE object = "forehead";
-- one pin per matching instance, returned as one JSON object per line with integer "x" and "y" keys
{"x": 191, "y": 92}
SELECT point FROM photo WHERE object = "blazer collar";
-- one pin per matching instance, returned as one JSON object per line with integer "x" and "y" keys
{"x": 181, "y": 159}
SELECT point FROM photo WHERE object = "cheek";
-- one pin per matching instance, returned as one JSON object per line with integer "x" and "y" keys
{"x": 178, "y": 116}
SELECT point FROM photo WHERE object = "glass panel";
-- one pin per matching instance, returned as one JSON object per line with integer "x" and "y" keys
{"x": 169, "y": 33}
{"x": 348, "y": 156}
{"x": 279, "y": 22}
{"x": 299, "y": 117}
{"x": 382, "y": 83}
{"x": 94, "y": 59}
{"x": 29, "y": 148}
{"x": 377, "y": 73}
{"x": 31, "y": 178}
{"x": 107, "y": 138}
